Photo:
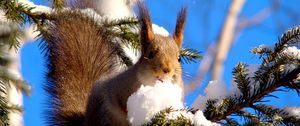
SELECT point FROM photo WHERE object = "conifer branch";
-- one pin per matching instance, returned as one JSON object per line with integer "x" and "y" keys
{"x": 125, "y": 30}
{"x": 10, "y": 35}
{"x": 160, "y": 119}
{"x": 273, "y": 115}
{"x": 289, "y": 38}
{"x": 281, "y": 70}
{"x": 230, "y": 122}
{"x": 237, "y": 103}
{"x": 3, "y": 107}
{"x": 21, "y": 13}
{"x": 188, "y": 55}
{"x": 249, "y": 117}
{"x": 242, "y": 80}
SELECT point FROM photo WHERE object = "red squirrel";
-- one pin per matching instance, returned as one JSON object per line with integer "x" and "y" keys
{"x": 83, "y": 85}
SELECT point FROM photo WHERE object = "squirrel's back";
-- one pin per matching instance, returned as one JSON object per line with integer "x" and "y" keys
{"x": 79, "y": 54}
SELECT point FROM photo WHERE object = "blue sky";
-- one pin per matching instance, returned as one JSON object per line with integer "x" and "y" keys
{"x": 205, "y": 19}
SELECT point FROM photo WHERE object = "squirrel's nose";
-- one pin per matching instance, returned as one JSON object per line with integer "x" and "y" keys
{"x": 166, "y": 70}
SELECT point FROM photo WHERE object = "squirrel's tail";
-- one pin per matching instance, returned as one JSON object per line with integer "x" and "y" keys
{"x": 79, "y": 53}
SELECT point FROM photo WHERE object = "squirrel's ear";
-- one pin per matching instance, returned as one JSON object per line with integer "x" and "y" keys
{"x": 178, "y": 35}
{"x": 147, "y": 34}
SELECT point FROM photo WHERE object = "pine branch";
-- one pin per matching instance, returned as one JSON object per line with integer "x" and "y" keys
{"x": 20, "y": 13}
{"x": 128, "y": 21}
{"x": 6, "y": 78}
{"x": 249, "y": 117}
{"x": 13, "y": 11}
{"x": 231, "y": 122}
{"x": 124, "y": 30}
{"x": 188, "y": 55}
{"x": 160, "y": 119}
{"x": 237, "y": 103}
{"x": 242, "y": 80}
{"x": 10, "y": 35}
{"x": 3, "y": 111}
{"x": 271, "y": 76}
{"x": 275, "y": 115}
{"x": 290, "y": 37}
{"x": 287, "y": 38}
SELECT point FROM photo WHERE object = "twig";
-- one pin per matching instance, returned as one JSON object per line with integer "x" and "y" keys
{"x": 292, "y": 75}
{"x": 226, "y": 37}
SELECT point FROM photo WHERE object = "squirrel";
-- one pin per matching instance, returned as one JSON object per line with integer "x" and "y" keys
{"x": 84, "y": 84}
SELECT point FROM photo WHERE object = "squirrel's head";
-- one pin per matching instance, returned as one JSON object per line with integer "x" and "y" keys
{"x": 160, "y": 54}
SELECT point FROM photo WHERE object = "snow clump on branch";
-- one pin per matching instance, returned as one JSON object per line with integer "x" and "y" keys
{"x": 148, "y": 101}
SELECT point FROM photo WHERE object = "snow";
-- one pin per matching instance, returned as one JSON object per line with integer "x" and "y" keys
{"x": 214, "y": 90}
{"x": 30, "y": 34}
{"x": 91, "y": 14}
{"x": 149, "y": 100}
{"x": 266, "y": 47}
{"x": 37, "y": 8}
{"x": 293, "y": 52}
{"x": 2, "y": 16}
{"x": 173, "y": 115}
{"x": 159, "y": 30}
{"x": 114, "y": 9}
{"x": 294, "y": 111}
{"x": 200, "y": 120}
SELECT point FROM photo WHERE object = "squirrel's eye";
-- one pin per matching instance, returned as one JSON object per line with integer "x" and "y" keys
{"x": 151, "y": 55}
{"x": 179, "y": 59}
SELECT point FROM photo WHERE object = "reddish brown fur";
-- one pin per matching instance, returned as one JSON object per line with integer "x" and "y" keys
{"x": 81, "y": 54}
{"x": 146, "y": 25}
{"x": 109, "y": 98}
{"x": 181, "y": 17}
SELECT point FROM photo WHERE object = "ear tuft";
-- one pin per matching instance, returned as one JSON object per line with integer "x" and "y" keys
{"x": 178, "y": 35}
{"x": 147, "y": 34}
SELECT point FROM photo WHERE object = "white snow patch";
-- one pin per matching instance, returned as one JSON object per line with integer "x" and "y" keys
{"x": 114, "y": 9}
{"x": 214, "y": 90}
{"x": 37, "y": 8}
{"x": 160, "y": 30}
{"x": 30, "y": 34}
{"x": 294, "y": 111}
{"x": 91, "y": 14}
{"x": 200, "y": 120}
{"x": 292, "y": 51}
{"x": 133, "y": 54}
{"x": 2, "y": 16}
{"x": 148, "y": 101}
{"x": 266, "y": 47}
{"x": 183, "y": 113}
